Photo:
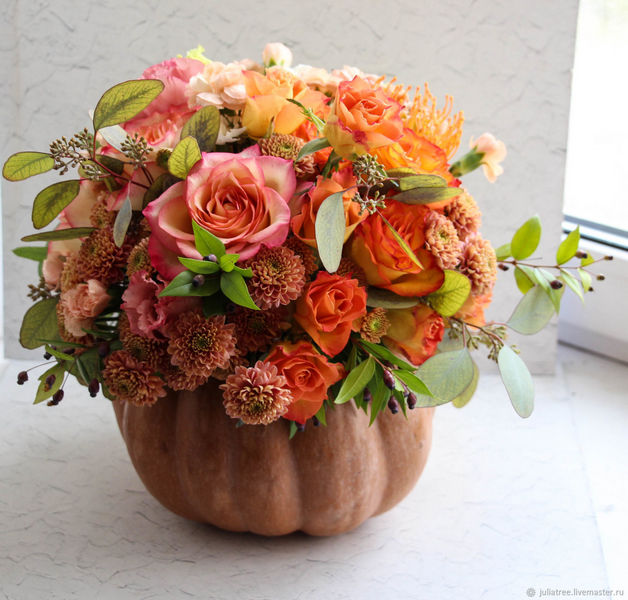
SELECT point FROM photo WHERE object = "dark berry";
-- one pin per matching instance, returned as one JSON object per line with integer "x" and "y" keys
{"x": 50, "y": 380}
{"x": 47, "y": 356}
{"x": 103, "y": 349}
{"x": 389, "y": 380}
{"x": 210, "y": 258}
{"x": 93, "y": 387}
{"x": 198, "y": 280}
{"x": 393, "y": 406}
{"x": 503, "y": 267}
{"x": 300, "y": 426}
{"x": 367, "y": 395}
{"x": 411, "y": 400}
{"x": 22, "y": 377}
{"x": 556, "y": 285}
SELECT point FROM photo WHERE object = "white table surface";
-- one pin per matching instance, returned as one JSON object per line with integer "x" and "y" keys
{"x": 504, "y": 505}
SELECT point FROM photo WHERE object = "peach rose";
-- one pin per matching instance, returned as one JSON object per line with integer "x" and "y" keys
{"x": 328, "y": 308}
{"x": 363, "y": 118}
{"x": 303, "y": 223}
{"x": 384, "y": 261}
{"x": 308, "y": 376}
{"x": 82, "y": 304}
{"x": 414, "y": 333}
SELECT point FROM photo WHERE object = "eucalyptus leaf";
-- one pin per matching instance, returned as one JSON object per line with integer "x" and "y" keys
{"x": 386, "y": 299}
{"x": 184, "y": 156}
{"x": 125, "y": 100}
{"x": 207, "y": 243}
{"x": 524, "y": 278}
{"x": 356, "y": 380}
{"x": 427, "y": 195}
{"x": 37, "y": 253}
{"x": 533, "y": 312}
{"x": 203, "y": 126}
{"x": 330, "y": 231}
{"x": 451, "y": 296}
{"x": 122, "y": 222}
{"x": 467, "y": 394}
{"x": 52, "y": 200}
{"x": 517, "y": 380}
{"x": 526, "y": 239}
{"x": 39, "y": 323}
{"x": 447, "y": 375}
{"x": 114, "y": 136}
{"x": 234, "y": 287}
{"x": 568, "y": 247}
{"x": 205, "y": 267}
{"x": 312, "y": 147}
{"x": 45, "y": 391}
{"x": 503, "y": 252}
{"x": 400, "y": 172}
{"x": 70, "y": 233}
{"x": 22, "y": 165}
{"x": 573, "y": 283}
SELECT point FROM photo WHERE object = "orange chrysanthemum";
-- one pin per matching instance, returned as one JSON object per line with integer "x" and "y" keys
{"x": 465, "y": 214}
{"x": 442, "y": 240}
{"x": 131, "y": 380}
{"x": 70, "y": 276}
{"x": 152, "y": 351}
{"x": 139, "y": 260}
{"x": 198, "y": 345}
{"x": 256, "y": 395}
{"x": 374, "y": 325}
{"x": 257, "y": 329}
{"x": 177, "y": 379}
{"x": 305, "y": 253}
{"x": 278, "y": 277}
{"x": 100, "y": 258}
{"x": 100, "y": 215}
{"x": 288, "y": 147}
{"x": 479, "y": 264}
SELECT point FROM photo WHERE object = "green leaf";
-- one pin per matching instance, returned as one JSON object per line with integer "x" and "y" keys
{"x": 52, "y": 200}
{"x": 321, "y": 415}
{"x": 449, "y": 298}
{"x": 39, "y": 323}
{"x": 503, "y": 252}
{"x": 125, "y": 100}
{"x": 89, "y": 365}
{"x": 517, "y": 380}
{"x": 356, "y": 380}
{"x": 234, "y": 287}
{"x": 412, "y": 381}
{"x": 411, "y": 255}
{"x": 312, "y": 147}
{"x": 203, "y": 126}
{"x": 586, "y": 280}
{"x": 387, "y": 299}
{"x": 568, "y": 247}
{"x": 467, "y": 394}
{"x": 427, "y": 195}
{"x": 385, "y": 354}
{"x": 214, "y": 305}
{"x": 59, "y": 234}
{"x": 572, "y": 282}
{"x": 533, "y": 312}
{"x": 379, "y": 392}
{"x": 447, "y": 375}
{"x": 37, "y": 253}
{"x": 330, "y": 231}
{"x": 113, "y": 164}
{"x": 22, "y": 165}
{"x": 184, "y": 156}
{"x": 248, "y": 272}
{"x": 182, "y": 285}
{"x": 58, "y": 353}
{"x": 410, "y": 182}
{"x": 524, "y": 277}
{"x": 526, "y": 239}
{"x": 227, "y": 262}
{"x": 43, "y": 391}
{"x": 122, "y": 222}
{"x": 293, "y": 429}
{"x": 587, "y": 260}
{"x": 206, "y": 267}
{"x": 554, "y": 295}
{"x": 158, "y": 187}
{"x": 400, "y": 172}
{"x": 207, "y": 243}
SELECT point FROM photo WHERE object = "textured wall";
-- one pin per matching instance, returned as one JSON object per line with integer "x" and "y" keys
{"x": 507, "y": 64}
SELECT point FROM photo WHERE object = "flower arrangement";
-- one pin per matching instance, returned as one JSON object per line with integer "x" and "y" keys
{"x": 299, "y": 235}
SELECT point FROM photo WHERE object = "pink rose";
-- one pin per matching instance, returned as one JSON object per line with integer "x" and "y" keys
{"x": 82, "y": 304}
{"x": 147, "y": 312}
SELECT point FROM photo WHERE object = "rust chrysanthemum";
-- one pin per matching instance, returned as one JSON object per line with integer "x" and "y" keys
{"x": 305, "y": 253}
{"x": 131, "y": 380}
{"x": 199, "y": 345}
{"x": 257, "y": 329}
{"x": 257, "y": 395}
{"x": 465, "y": 214}
{"x": 374, "y": 325}
{"x": 139, "y": 260}
{"x": 442, "y": 240}
{"x": 70, "y": 276}
{"x": 100, "y": 258}
{"x": 237, "y": 360}
{"x": 288, "y": 147}
{"x": 177, "y": 379}
{"x": 479, "y": 264}
{"x": 152, "y": 351}
{"x": 100, "y": 216}
{"x": 278, "y": 277}
{"x": 348, "y": 268}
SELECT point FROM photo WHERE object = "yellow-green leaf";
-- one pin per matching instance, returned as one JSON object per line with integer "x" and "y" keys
{"x": 450, "y": 297}
{"x": 184, "y": 156}
{"x": 568, "y": 247}
{"x": 203, "y": 126}
{"x": 404, "y": 246}
{"x": 411, "y": 182}
{"x": 427, "y": 195}
{"x": 52, "y": 200}
{"x": 39, "y": 324}
{"x": 26, "y": 164}
{"x": 44, "y": 391}
{"x": 71, "y": 233}
{"x": 234, "y": 287}
{"x": 526, "y": 239}
{"x": 388, "y": 299}
{"x": 523, "y": 279}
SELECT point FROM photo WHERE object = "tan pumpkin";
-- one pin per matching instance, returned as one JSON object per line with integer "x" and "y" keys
{"x": 324, "y": 481}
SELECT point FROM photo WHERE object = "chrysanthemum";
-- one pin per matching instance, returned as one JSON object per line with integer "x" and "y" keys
{"x": 374, "y": 325}
{"x": 237, "y": 360}
{"x": 479, "y": 264}
{"x": 442, "y": 240}
{"x": 99, "y": 257}
{"x": 139, "y": 260}
{"x": 152, "y": 351}
{"x": 70, "y": 275}
{"x": 257, "y": 395}
{"x": 177, "y": 379}
{"x": 278, "y": 277}
{"x": 256, "y": 329}
{"x": 100, "y": 216}
{"x": 305, "y": 253}
{"x": 199, "y": 345}
{"x": 288, "y": 147}
{"x": 131, "y": 380}
{"x": 348, "y": 267}
{"x": 465, "y": 214}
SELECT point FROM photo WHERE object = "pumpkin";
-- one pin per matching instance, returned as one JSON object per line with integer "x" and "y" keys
{"x": 326, "y": 480}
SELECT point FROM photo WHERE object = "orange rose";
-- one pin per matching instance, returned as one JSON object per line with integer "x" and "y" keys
{"x": 472, "y": 311}
{"x": 414, "y": 332}
{"x": 385, "y": 262}
{"x": 308, "y": 375}
{"x": 327, "y": 309}
{"x": 302, "y": 224}
{"x": 363, "y": 118}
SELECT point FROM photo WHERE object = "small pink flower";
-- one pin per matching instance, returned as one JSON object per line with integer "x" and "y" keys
{"x": 494, "y": 151}
{"x": 81, "y": 304}
{"x": 277, "y": 53}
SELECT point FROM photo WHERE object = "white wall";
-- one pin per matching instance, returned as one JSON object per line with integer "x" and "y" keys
{"x": 507, "y": 64}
